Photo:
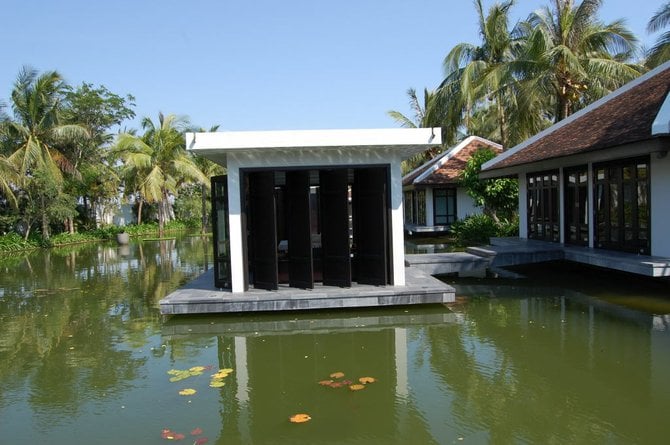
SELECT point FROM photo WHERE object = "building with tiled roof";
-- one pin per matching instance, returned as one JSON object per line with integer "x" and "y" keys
{"x": 432, "y": 198}
{"x": 601, "y": 177}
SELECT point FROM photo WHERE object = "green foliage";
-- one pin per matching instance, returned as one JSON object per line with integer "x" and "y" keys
{"x": 499, "y": 197}
{"x": 13, "y": 242}
{"x": 478, "y": 229}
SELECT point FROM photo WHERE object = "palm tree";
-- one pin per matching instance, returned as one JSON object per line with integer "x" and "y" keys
{"x": 661, "y": 50}
{"x": 426, "y": 115}
{"x": 36, "y": 134}
{"x": 571, "y": 59}
{"x": 476, "y": 76}
{"x": 158, "y": 162}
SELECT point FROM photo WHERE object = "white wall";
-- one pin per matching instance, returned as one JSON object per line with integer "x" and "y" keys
{"x": 465, "y": 205}
{"x": 660, "y": 205}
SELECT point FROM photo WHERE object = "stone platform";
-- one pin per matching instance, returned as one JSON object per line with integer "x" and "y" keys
{"x": 201, "y": 297}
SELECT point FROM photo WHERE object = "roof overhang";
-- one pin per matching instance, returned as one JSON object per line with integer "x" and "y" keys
{"x": 658, "y": 145}
{"x": 405, "y": 141}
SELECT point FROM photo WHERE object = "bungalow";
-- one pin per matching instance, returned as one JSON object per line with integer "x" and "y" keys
{"x": 432, "y": 198}
{"x": 601, "y": 177}
{"x": 299, "y": 207}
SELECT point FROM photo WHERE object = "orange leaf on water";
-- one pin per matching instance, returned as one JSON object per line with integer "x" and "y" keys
{"x": 365, "y": 380}
{"x": 299, "y": 418}
{"x": 356, "y": 387}
{"x": 196, "y": 432}
{"x": 325, "y": 382}
{"x": 337, "y": 375}
{"x": 201, "y": 441}
{"x": 336, "y": 385}
{"x": 179, "y": 436}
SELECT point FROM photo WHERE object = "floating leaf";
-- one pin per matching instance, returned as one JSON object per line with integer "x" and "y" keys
{"x": 337, "y": 375}
{"x": 356, "y": 387}
{"x": 337, "y": 385}
{"x": 217, "y": 384}
{"x": 179, "y": 436}
{"x": 299, "y": 418}
{"x": 201, "y": 441}
{"x": 196, "y": 432}
{"x": 226, "y": 370}
{"x": 187, "y": 392}
{"x": 197, "y": 369}
{"x": 366, "y": 380}
{"x": 347, "y": 382}
{"x": 220, "y": 375}
{"x": 325, "y": 382}
{"x": 173, "y": 371}
{"x": 167, "y": 434}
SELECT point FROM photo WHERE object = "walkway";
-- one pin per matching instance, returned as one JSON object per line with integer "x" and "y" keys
{"x": 514, "y": 251}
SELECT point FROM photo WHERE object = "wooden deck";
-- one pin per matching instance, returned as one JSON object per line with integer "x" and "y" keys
{"x": 201, "y": 297}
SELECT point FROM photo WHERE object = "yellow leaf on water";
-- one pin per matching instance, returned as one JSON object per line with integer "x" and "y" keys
{"x": 365, "y": 380}
{"x": 197, "y": 369}
{"x": 187, "y": 392}
{"x": 299, "y": 418}
{"x": 217, "y": 384}
{"x": 337, "y": 375}
{"x": 356, "y": 387}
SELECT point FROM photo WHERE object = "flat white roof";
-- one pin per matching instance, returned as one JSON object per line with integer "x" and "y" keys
{"x": 409, "y": 140}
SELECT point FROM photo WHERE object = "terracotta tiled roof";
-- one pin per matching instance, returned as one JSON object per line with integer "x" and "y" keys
{"x": 625, "y": 116}
{"x": 446, "y": 168}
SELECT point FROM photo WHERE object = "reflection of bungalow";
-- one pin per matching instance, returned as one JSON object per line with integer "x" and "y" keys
{"x": 600, "y": 178}
{"x": 432, "y": 198}
{"x": 299, "y": 207}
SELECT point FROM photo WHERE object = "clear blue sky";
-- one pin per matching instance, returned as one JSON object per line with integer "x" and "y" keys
{"x": 256, "y": 64}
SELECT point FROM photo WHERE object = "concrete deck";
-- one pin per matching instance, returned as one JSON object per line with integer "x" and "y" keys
{"x": 514, "y": 251}
{"x": 201, "y": 297}
{"x": 461, "y": 263}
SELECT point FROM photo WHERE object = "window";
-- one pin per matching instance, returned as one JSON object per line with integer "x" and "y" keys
{"x": 622, "y": 205}
{"x": 543, "y": 214}
{"x": 444, "y": 205}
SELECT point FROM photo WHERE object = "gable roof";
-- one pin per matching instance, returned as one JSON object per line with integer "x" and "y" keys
{"x": 624, "y": 116}
{"x": 446, "y": 167}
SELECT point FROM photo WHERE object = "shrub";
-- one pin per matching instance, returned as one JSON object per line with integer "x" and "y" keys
{"x": 478, "y": 229}
{"x": 13, "y": 242}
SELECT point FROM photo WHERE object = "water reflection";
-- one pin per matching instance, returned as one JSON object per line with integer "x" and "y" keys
{"x": 85, "y": 355}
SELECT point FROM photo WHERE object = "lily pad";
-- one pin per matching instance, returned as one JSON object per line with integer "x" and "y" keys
{"x": 366, "y": 380}
{"x": 356, "y": 387}
{"x": 337, "y": 375}
{"x": 217, "y": 384}
{"x": 325, "y": 382}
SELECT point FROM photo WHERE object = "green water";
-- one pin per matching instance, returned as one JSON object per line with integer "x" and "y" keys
{"x": 574, "y": 357}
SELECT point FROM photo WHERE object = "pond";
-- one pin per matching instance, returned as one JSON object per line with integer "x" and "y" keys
{"x": 85, "y": 357}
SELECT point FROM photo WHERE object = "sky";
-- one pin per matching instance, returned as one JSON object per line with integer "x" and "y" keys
{"x": 257, "y": 64}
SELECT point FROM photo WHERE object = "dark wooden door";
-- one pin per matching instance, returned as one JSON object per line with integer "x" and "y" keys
{"x": 370, "y": 225}
{"x": 334, "y": 206}
{"x": 300, "y": 269}
{"x": 263, "y": 226}
{"x": 221, "y": 232}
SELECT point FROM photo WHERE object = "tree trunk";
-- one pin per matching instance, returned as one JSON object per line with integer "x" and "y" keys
{"x": 45, "y": 219}
{"x": 139, "y": 211}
